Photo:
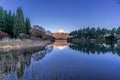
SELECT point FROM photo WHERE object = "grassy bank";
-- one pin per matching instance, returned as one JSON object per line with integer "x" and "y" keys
{"x": 17, "y": 44}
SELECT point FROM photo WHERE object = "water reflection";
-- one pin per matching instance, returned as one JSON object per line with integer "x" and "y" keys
{"x": 91, "y": 48}
{"x": 60, "y": 44}
{"x": 39, "y": 55}
{"x": 63, "y": 64}
{"x": 13, "y": 65}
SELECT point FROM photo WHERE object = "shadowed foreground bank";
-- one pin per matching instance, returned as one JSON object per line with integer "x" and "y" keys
{"x": 13, "y": 45}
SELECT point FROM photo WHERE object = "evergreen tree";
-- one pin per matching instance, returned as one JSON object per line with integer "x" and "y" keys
{"x": 118, "y": 31}
{"x": 9, "y": 23}
{"x": 19, "y": 24}
{"x": 28, "y": 25}
{"x": 14, "y": 24}
{"x": 15, "y": 32}
{"x": 2, "y": 19}
{"x": 113, "y": 31}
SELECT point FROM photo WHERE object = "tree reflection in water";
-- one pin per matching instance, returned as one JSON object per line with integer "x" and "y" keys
{"x": 14, "y": 64}
{"x": 39, "y": 55}
{"x": 28, "y": 66}
{"x": 92, "y": 48}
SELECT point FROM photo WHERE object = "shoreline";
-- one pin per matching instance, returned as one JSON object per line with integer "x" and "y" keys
{"x": 19, "y": 45}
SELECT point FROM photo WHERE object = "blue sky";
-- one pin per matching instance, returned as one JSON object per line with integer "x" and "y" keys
{"x": 68, "y": 14}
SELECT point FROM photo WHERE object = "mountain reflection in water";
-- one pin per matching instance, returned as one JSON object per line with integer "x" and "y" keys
{"x": 63, "y": 63}
{"x": 60, "y": 44}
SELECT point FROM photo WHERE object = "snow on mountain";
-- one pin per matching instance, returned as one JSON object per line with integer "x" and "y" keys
{"x": 60, "y": 31}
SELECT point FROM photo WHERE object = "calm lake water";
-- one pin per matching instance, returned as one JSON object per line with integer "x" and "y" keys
{"x": 63, "y": 61}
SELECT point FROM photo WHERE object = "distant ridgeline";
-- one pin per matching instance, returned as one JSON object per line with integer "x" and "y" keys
{"x": 95, "y": 35}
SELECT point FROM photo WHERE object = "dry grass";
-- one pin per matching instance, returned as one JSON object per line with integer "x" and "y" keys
{"x": 16, "y": 44}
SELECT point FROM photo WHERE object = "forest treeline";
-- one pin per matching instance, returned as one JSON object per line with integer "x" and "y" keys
{"x": 94, "y": 33}
{"x": 14, "y": 24}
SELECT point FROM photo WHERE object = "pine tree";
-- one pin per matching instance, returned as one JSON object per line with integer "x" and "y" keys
{"x": 19, "y": 24}
{"x": 118, "y": 31}
{"x": 28, "y": 25}
{"x": 2, "y": 19}
{"x": 9, "y": 23}
{"x": 15, "y": 25}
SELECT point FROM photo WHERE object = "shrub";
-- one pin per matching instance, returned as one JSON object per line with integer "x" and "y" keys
{"x": 3, "y": 35}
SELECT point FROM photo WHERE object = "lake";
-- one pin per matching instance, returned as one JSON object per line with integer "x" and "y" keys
{"x": 63, "y": 61}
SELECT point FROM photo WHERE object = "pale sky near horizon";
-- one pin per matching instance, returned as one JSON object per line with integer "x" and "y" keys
{"x": 68, "y": 14}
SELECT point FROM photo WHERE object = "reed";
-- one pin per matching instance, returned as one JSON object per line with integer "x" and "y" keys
{"x": 16, "y": 44}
